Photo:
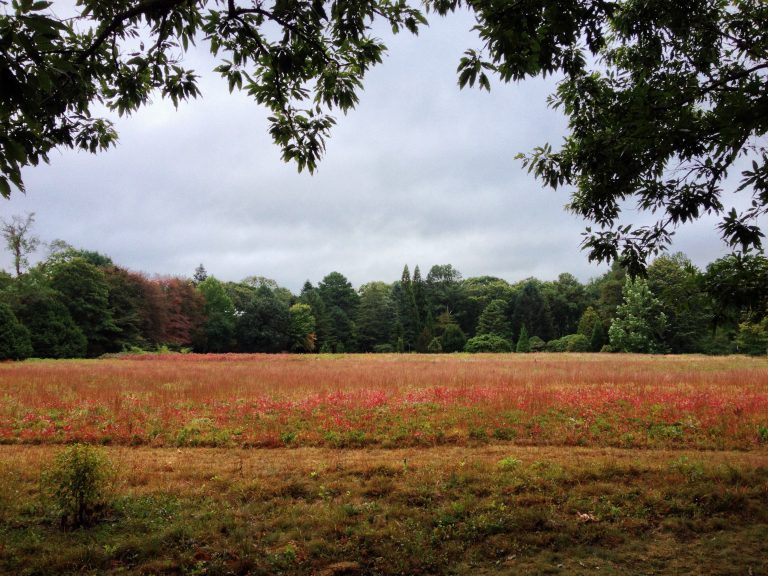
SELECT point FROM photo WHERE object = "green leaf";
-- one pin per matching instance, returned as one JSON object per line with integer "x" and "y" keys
{"x": 5, "y": 188}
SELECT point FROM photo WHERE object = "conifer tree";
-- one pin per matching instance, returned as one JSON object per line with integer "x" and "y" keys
{"x": 523, "y": 343}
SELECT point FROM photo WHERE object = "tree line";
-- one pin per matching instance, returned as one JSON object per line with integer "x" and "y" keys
{"x": 79, "y": 303}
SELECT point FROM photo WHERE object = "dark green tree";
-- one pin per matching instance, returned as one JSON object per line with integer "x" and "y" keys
{"x": 532, "y": 310}
{"x": 407, "y": 311}
{"x": 323, "y": 328}
{"x": 479, "y": 292}
{"x": 444, "y": 291}
{"x": 15, "y": 341}
{"x": 60, "y": 251}
{"x": 523, "y": 342}
{"x": 605, "y": 293}
{"x": 264, "y": 325}
{"x": 453, "y": 338}
{"x": 752, "y": 338}
{"x": 587, "y": 322}
{"x": 129, "y": 309}
{"x": 218, "y": 333}
{"x": 597, "y": 338}
{"x": 85, "y": 292}
{"x": 375, "y": 316}
{"x": 566, "y": 298}
{"x": 302, "y": 328}
{"x": 52, "y": 331}
{"x": 494, "y": 320}
{"x": 738, "y": 285}
{"x": 341, "y": 301}
{"x": 679, "y": 286}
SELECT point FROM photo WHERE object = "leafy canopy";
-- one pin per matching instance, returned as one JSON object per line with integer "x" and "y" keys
{"x": 664, "y": 99}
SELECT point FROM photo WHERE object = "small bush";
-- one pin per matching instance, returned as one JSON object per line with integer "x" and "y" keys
{"x": 488, "y": 343}
{"x": 569, "y": 343}
{"x": 508, "y": 463}
{"x": 537, "y": 344}
{"x": 78, "y": 484}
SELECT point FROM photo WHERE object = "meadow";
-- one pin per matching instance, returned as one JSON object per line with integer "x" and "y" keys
{"x": 394, "y": 464}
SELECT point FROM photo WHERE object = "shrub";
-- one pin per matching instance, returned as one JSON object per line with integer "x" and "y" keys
{"x": 536, "y": 344}
{"x": 569, "y": 343}
{"x": 434, "y": 346}
{"x": 78, "y": 483}
{"x": 453, "y": 339}
{"x": 487, "y": 343}
{"x": 576, "y": 343}
{"x": 556, "y": 345}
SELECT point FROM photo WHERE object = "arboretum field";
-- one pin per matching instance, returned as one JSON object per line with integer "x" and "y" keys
{"x": 393, "y": 464}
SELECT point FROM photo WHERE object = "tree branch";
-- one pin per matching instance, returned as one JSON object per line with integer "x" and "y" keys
{"x": 143, "y": 8}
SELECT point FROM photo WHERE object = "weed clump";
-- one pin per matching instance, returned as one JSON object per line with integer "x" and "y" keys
{"x": 78, "y": 485}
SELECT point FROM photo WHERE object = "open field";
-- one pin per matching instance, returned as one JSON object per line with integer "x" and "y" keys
{"x": 511, "y": 464}
{"x": 389, "y": 401}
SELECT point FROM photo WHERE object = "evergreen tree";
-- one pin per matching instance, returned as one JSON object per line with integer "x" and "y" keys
{"x": 423, "y": 309}
{"x": 597, "y": 339}
{"x": 523, "y": 343}
{"x": 375, "y": 316}
{"x": 406, "y": 309}
{"x": 494, "y": 320}
{"x": 426, "y": 334}
{"x": 434, "y": 346}
{"x": 341, "y": 302}
{"x": 591, "y": 327}
{"x": 532, "y": 309}
{"x": 323, "y": 328}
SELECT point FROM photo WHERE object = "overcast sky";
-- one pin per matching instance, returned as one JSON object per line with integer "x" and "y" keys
{"x": 420, "y": 173}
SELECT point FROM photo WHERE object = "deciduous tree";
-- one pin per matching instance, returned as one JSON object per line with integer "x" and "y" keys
{"x": 640, "y": 324}
{"x": 20, "y": 240}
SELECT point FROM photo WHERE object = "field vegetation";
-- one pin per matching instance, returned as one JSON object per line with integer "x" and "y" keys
{"x": 391, "y": 464}
{"x": 389, "y": 401}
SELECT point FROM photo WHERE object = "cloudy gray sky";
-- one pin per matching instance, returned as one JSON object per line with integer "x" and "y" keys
{"x": 420, "y": 173}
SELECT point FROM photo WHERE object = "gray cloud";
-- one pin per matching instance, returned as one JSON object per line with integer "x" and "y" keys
{"x": 420, "y": 173}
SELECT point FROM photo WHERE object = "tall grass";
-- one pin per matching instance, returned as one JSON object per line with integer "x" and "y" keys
{"x": 388, "y": 400}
